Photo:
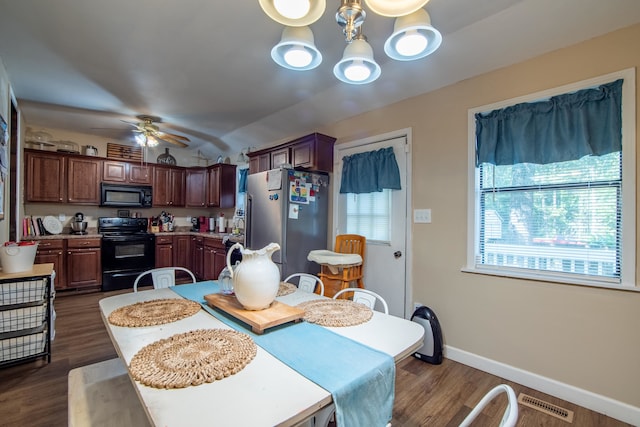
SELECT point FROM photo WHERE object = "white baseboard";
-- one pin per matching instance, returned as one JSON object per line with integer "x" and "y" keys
{"x": 596, "y": 402}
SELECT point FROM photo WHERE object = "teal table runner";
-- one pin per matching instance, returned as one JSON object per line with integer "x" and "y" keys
{"x": 360, "y": 379}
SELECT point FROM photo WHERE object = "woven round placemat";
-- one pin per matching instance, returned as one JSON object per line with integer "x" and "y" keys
{"x": 286, "y": 289}
{"x": 154, "y": 312}
{"x": 335, "y": 312}
{"x": 192, "y": 358}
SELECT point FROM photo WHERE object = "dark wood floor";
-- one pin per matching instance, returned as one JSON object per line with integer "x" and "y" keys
{"x": 35, "y": 394}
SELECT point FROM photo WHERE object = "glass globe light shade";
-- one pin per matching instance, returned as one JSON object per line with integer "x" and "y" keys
{"x": 292, "y": 9}
{"x": 298, "y": 57}
{"x": 357, "y": 71}
{"x": 411, "y": 43}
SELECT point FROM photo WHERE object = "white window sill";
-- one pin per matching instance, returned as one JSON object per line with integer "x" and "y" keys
{"x": 559, "y": 278}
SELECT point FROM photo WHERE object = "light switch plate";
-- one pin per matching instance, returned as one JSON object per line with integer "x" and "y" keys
{"x": 422, "y": 216}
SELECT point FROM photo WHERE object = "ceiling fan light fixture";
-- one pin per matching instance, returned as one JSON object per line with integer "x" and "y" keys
{"x": 395, "y": 8}
{"x": 413, "y": 37}
{"x": 292, "y": 9}
{"x": 296, "y": 50}
{"x": 357, "y": 65}
{"x": 279, "y": 11}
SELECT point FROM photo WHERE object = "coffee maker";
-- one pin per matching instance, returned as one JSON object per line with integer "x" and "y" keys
{"x": 195, "y": 224}
{"x": 203, "y": 224}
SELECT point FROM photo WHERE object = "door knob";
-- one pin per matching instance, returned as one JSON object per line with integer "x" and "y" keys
{"x": 397, "y": 254}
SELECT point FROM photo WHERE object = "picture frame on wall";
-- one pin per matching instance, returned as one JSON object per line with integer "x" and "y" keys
{"x": 4, "y": 161}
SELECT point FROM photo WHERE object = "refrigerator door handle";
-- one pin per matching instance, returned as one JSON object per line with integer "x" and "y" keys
{"x": 248, "y": 218}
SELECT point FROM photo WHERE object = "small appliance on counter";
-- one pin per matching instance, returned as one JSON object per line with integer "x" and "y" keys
{"x": 194, "y": 224}
{"x": 79, "y": 225}
{"x": 203, "y": 224}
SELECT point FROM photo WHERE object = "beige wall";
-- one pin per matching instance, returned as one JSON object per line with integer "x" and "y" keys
{"x": 585, "y": 337}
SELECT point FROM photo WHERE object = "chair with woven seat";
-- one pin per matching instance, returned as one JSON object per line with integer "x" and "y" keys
{"x": 163, "y": 277}
{"x": 306, "y": 282}
{"x": 364, "y": 296}
{"x": 346, "y": 275}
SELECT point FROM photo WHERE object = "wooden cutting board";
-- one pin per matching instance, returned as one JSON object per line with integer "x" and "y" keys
{"x": 277, "y": 314}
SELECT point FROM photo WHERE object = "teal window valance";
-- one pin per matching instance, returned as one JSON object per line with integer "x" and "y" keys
{"x": 565, "y": 127}
{"x": 242, "y": 180}
{"x": 370, "y": 172}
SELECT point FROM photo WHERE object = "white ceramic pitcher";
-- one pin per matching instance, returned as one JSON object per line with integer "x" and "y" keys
{"x": 257, "y": 278}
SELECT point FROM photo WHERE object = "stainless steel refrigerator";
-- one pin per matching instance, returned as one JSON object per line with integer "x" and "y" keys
{"x": 290, "y": 208}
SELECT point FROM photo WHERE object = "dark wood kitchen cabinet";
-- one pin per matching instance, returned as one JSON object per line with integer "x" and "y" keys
{"x": 60, "y": 178}
{"x": 45, "y": 177}
{"x": 53, "y": 251}
{"x": 164, "y": 250}
{"x": 197, "y": 256}
{"x": 213, "y": 187}
{"x": 260, "y": 162}
{"x": 196, "y": 188}
{"x": 168, "y": 186}
{"x": 83, "y": 180}
{"x": 313, "y": 152}
{"x": 221, "y": 186}
{"x": 215, "y": 258}
{"x": 182, "y": 251}
{"x": 126, "y": 173}
{"x": 84, "y": 268}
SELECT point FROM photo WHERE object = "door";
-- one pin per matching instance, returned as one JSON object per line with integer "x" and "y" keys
{"x": 265, "y": 211}
{"x": 386, "y": 262}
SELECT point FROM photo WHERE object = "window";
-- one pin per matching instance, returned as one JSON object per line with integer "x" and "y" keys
{"x": 369, "y": 215}
{"x": 559, "y": 215}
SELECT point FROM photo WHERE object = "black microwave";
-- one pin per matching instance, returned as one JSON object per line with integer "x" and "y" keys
{"x": 134, "y": 196}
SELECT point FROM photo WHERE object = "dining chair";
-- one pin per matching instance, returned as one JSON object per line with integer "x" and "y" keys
{"x": 307, "y": 282}
{"x": 364, "y": 296}
{"x": 346, "y": 275}
{"x": 163, "y": 277}
{"x": 510, "y": 416}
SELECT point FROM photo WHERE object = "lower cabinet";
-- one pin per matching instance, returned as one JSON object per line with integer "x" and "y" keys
{"x": 214, "y": 259}
{"x": 164, "y": 251}
{"x": 175, "y": 251}
{"x": 53, "y": 251}
{"x": 197, "y": 256}
{"x": 84, "y": 268}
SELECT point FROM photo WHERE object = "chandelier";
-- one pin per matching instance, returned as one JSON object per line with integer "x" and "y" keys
{"x": 413, "y": 35}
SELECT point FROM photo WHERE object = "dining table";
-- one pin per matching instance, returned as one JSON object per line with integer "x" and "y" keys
{"x": 269, "y": 390}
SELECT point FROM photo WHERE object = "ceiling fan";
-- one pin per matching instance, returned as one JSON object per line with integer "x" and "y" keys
{"x": 148, "y": 134}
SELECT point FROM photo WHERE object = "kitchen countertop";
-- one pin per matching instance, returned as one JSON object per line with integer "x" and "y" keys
{"x": 94, "y": 234}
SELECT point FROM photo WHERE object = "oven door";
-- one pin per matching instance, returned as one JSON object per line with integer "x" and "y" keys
{"x": 124, "y": 258}
{"x": 128, "y": 252}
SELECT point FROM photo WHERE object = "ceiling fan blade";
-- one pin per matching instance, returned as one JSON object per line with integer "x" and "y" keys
{"x": 170, "y": 138}
{"x": 175, "y": 135}
{"x": 135, "y": 125}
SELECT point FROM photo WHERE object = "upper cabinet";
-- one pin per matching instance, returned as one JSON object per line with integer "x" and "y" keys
{"x": 57, "y": 178}
{"x": 314, "y": 152}
{"x": 126, "y": 173}
{"x": 69, "y": 178}
{"x": 168, "y": 186}
{"x": 213, "y": 187}
{"x": 221, "y": 186}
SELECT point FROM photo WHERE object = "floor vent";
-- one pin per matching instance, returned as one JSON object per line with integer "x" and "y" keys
{"x": 546, "y": 407}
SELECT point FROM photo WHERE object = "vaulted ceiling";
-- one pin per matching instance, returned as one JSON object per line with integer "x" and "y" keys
{"x": 204, "y": 66}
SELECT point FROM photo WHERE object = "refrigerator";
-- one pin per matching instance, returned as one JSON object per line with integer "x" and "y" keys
{"x": 291, "y": 208}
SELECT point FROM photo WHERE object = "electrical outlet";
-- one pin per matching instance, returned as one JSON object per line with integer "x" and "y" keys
{"x": 62, "y": 217}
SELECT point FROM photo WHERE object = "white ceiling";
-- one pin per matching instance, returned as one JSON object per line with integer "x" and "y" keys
{"x": 204, "y": 66}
